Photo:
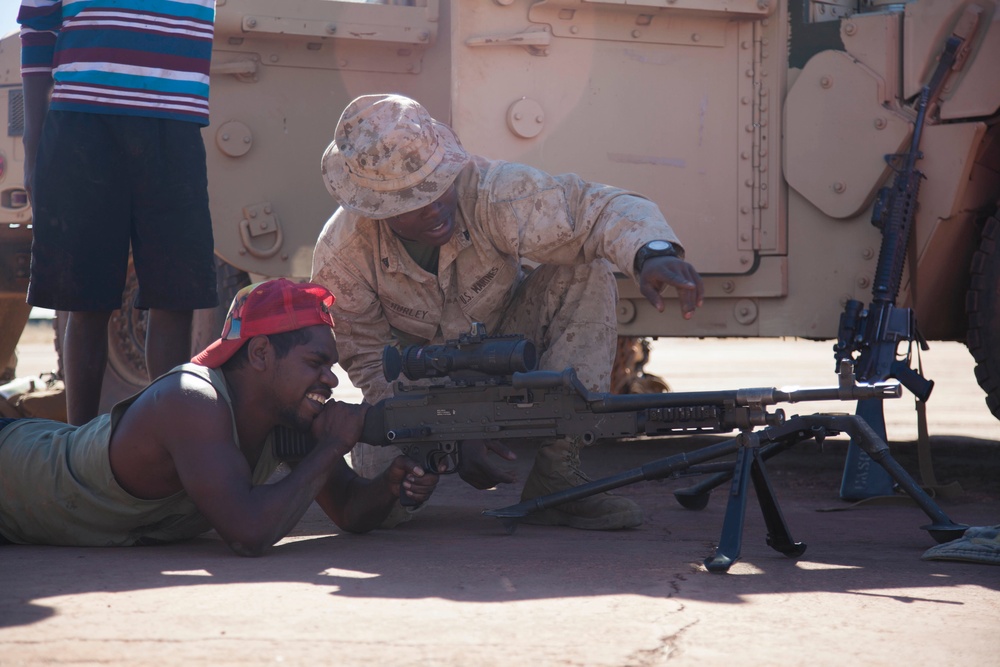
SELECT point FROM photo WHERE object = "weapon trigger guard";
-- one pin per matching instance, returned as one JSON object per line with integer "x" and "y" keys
{"x": 447, "y": 454}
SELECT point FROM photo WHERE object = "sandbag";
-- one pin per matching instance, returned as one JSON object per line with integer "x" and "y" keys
{"x": 42, "y": 397}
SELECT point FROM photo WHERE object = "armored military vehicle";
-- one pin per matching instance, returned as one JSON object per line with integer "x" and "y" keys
{"x": 760, "y": 127}
{"x": 15, "y": 214}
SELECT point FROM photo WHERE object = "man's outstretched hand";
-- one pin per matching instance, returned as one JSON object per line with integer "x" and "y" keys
{"x": 476, "y": 468}
{"x": 658, "y": 272}
{"x": 404, "y": 476}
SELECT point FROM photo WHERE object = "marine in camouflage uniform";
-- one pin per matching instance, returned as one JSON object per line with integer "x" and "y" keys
{"x": 430, "y": 239}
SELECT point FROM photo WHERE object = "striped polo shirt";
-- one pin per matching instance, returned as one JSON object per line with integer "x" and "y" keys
{"x": 127, "y": 57}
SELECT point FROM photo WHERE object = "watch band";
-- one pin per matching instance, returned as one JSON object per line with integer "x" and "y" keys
{"x": 656, "y": 249}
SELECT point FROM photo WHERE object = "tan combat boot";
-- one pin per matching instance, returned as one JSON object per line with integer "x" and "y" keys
{"x": 557, "y": 467}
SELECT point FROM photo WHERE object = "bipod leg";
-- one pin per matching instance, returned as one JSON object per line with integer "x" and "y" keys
{"x": 750, "y": 463}
{"x": 862, "y": 479}
{"x": 695, "y": 497}
{"x": 778, "y": 537}
{"x": 658, "y": 469}
{"x": 731, "y": 540}
{"x": 943, "y": 529}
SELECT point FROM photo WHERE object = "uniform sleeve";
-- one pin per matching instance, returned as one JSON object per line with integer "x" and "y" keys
{"x": 40, "y": 22}
{"x": 566, "y": 220}
{"x": 342, "y": 264}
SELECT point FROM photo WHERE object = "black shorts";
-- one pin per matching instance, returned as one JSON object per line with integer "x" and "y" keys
{"x": 105, "y": 184}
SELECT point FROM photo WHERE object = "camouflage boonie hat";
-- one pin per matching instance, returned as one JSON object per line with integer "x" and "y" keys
{"x": 389, "y": 157}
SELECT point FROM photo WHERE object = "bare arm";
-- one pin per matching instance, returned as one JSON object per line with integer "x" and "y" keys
{"x": 37, "y": 89}
{"x": 359, "y": 505}
{"x": 217, "y": 477}
{"x": 353, "y": 503}
{"x": 200, "y": 456}
{"x": 249, "y": 520}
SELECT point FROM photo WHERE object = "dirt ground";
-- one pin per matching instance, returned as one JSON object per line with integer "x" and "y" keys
{"x": 452, "y": 587}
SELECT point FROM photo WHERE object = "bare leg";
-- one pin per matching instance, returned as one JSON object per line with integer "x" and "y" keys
{"x": 168, "y": 340}
{"x": 85, "y": 356}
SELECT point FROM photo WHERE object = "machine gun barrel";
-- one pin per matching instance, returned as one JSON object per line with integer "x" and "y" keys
{"x": 548, "y": 404}
{"x": 762, "y": 396}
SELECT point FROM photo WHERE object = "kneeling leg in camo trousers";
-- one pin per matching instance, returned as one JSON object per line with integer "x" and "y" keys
{"x": 568, "y": 312}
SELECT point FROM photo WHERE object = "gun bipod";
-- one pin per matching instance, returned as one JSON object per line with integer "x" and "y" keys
{"x": 696, "y": 497}
{"x": 749, "y": 465}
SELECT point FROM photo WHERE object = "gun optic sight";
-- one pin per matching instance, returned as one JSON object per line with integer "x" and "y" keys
{"x": 498, "y": 355}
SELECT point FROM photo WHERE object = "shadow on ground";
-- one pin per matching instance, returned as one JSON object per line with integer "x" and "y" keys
{"x": 451, "y": 551}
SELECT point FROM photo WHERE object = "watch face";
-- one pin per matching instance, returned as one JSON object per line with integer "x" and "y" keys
{"x": 658, "y": 245}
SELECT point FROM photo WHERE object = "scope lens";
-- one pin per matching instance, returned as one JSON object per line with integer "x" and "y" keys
{"x": 392, "y": 363}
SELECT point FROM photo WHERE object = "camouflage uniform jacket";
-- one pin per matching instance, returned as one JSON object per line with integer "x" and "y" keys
{"x": 507, "y": 213}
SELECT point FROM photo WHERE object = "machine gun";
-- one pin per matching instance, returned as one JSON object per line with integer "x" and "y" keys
{"x": 429, "y": 423}
{"x": 491, "y": 392}
{"x": 870, "y": 338}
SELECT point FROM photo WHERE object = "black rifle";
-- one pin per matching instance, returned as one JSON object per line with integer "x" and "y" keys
{"x": 870, "y": 338}
{"x": 485, "y": 397}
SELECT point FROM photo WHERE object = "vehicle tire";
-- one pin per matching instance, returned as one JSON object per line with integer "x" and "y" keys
{"x": 983, "y": 307}
{"x": 126, "y": 372}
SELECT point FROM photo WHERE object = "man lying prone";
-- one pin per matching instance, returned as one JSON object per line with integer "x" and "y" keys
{"x": 191, "y": 452}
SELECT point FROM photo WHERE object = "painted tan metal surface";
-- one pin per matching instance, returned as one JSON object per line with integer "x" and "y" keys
{"x": 973, "y": 91}
{"x": 716, "y": 110}
{"x": 684, "y": 102}
{"x": 282, "y": 72}
{"x": 15, "y": 214}
{"x": 836, "y": 131}
{"x": 13, "y": 205}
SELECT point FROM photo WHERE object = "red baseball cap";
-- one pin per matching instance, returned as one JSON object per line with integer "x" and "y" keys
{"x": 271, "y": 307}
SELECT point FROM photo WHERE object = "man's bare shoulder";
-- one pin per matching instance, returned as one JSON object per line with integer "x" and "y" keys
{"x": 178, "y": 394}
{"x": 176, "y": 425}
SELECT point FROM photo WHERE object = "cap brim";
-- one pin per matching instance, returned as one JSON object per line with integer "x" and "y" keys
{"x": 218, "y": 352}
{"x": 381, "y": 205}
